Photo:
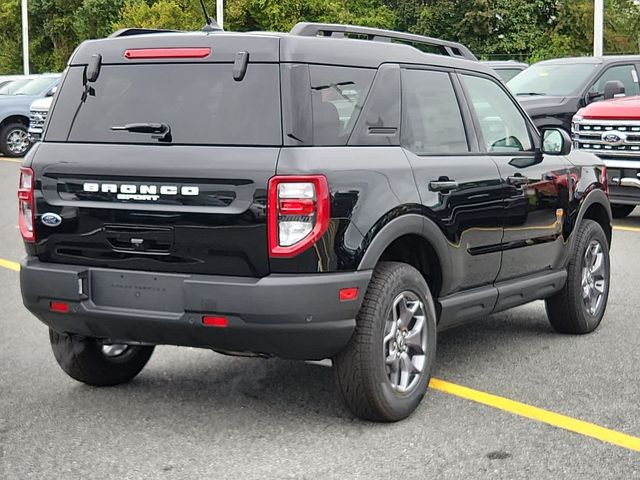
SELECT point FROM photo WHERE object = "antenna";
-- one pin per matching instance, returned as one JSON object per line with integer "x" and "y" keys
{"x": 211, "y": 25}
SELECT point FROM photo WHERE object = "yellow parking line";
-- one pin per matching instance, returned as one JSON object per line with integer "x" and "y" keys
{"x": 10, "y": 265}
{"x": 626, "y": 229}
{"x": 12, "y": 160}
{"x": 538, "y": 414}
{"x": 511, "y": 406}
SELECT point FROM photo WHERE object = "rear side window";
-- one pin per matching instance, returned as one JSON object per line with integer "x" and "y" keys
{"x": 323, "y": 103}
{"x": 432, "y": 122}
{"x": 201, "y": 103}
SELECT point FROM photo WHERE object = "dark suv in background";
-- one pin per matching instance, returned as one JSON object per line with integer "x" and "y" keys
{"x": 333, "y": 192}
{"x": 554, "y": 90}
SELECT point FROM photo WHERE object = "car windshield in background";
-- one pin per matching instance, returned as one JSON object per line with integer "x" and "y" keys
{"x": 201, "y": 104}
{"x": 12, "y": 87}
{"x": 36, "y": 86}
{"x": 507, "y": 74}
{"x": 551, "y": 79}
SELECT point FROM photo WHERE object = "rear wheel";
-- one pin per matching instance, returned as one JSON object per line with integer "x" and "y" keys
{"x": 621, "y": 211}
{"x": 14, "y": 140}
{"x": 383, "y": 373}
{"x": 579, "y": 307}
{"x": 92, "y": 361}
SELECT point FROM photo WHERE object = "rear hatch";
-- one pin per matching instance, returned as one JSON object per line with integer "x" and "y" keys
{"x": 162, "y": 162}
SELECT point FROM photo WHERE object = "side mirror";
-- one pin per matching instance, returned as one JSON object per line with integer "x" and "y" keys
{"x": 52, "y": 92}
{"x": 613, "y": 88}
{"x": 555, "y": 141}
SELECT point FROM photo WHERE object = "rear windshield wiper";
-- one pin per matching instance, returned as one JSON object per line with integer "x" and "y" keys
{"x": 160, "y": 131}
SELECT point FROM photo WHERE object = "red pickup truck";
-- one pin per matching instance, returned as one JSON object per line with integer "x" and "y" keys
{"x": 611, "y": 130}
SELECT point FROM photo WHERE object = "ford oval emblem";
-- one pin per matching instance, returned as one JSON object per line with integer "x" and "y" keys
{"x": 614, "y": 138}
{"x": 51, "y": 219}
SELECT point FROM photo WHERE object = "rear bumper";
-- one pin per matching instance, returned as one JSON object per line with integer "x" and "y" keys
{"x": 289, "y": 316}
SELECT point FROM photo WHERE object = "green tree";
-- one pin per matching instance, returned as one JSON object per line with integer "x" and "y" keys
{"x": 169, "y": 14}
{"x": 95, "y": 18}
{"x": 10, "y": 39}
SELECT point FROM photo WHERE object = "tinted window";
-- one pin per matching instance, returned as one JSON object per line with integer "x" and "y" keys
{"x": 624, "y": 73}
{"x": 551, "y": 79}
{"x": 202, "y": 103}
{"x": 337, "y": 95}
{"x": 503, "y": 127}
{"x": 432, "y": 122}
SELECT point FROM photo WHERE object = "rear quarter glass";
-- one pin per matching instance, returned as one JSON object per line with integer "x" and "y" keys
{"x": 202, "y": 103}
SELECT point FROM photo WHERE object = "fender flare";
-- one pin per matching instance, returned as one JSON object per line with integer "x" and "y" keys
{"x": 595, "y": 196}
{"x": 409, "y": 224}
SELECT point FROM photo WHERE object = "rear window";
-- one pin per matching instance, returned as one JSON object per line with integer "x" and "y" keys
{"x": 201, "y": 103}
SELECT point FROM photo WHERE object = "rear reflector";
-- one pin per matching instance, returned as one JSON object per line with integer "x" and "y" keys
{"x": 220, "y": 322}
{"x": 150, "y": 53}
{"x": 60, "y": 307}
{"x": 347, "y": 294}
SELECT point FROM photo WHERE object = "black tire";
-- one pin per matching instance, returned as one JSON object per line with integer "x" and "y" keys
{"x": 567, "y": 310}
{"x": 621, "y": 211}
{"x": 362, "y": 378}
{"x": 82, "y": 358}
{"x": 6, "y": 132}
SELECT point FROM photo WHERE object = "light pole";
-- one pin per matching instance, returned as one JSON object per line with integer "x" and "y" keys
{"x": 25, "y": 38}
{"x": 220, "y": 13}
{"x": 598, "y": 27}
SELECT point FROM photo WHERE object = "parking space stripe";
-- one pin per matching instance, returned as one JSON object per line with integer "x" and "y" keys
{"x": 10, "y": 265}
{"x": 534, "y": 413}
{"x": 626, "y": 229}
{"x": 12, "y": 160}
{"x": 517, "y": 408}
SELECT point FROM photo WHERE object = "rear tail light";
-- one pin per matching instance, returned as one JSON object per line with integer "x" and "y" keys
{"x": 297, "y": 214}
{"x": 25, "y": 205}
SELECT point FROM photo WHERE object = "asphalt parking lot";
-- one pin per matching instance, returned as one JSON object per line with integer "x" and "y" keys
{"x": 196, "y": 414}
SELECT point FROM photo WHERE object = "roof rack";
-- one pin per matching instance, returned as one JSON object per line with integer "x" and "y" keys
{"x": 444, "y": 47}
{"x": 127, "y": 32}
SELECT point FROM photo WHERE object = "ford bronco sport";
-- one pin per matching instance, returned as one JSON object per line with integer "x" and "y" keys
{"x": 334, "y": 192}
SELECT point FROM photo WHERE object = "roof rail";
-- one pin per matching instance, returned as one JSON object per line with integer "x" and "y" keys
{"x": 444, "y": 47}
{"x": 127, "y": 32}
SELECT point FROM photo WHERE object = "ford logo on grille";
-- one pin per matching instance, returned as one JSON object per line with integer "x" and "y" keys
{"x": 614, "y": 138}
{"x": 51, "y": 219}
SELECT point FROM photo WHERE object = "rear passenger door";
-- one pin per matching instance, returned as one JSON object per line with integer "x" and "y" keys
{"x": 459, "y": 187}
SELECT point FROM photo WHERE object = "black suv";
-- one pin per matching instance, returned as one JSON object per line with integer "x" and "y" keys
{"x": 328, "y": 193}
{"x": 552, "y": 91}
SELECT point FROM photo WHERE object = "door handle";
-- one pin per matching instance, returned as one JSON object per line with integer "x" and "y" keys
{"x": 443, "y": 185}
{"x": 517, "y": 180}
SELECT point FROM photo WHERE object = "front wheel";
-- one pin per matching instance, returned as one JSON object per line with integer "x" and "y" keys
{"x": 94, "y": 362}
{"x": 14, "y": 140}
{"x": 383, "y": 373}
{"x": 579, "y": 307}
